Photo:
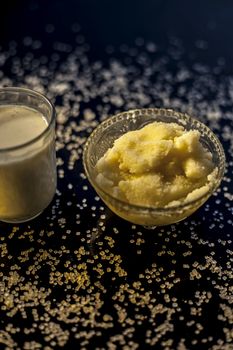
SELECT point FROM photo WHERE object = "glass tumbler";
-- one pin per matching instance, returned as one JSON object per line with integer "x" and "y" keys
{"x": 27, "y": 169}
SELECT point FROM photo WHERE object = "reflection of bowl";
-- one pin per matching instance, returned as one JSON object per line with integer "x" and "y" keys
{"x": 111, "y": 129}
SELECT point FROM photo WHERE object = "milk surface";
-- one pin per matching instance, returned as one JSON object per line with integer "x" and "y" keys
{"x": 28, "y": 173}
{"x": 19, "y": 124}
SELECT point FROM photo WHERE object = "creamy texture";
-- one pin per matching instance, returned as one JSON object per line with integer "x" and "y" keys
{"x": 160, "y": 165}
{"x": 27, "y": 174}
{"x": 19, "y": 124}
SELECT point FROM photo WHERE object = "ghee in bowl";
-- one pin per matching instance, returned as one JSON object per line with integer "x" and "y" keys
{"x": 153, "y": 166}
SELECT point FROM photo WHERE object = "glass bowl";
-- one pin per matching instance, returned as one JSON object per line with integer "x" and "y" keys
{"x": 103, "y": 137}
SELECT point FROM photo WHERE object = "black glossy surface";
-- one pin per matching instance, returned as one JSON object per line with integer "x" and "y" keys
{"x": 185, "y": 269}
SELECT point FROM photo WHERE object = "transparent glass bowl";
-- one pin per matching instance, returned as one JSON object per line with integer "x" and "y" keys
{"x": 111, "y": 129}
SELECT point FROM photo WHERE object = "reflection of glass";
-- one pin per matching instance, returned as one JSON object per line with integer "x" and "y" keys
{"x": 107, "y": 132}
{"x": 27, "y": 156}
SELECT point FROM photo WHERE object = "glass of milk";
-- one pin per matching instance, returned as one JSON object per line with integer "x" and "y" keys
{"x": 27, "y": 154}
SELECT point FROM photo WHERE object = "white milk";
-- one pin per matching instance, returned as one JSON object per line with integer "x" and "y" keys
{"x": 27, "y": 173}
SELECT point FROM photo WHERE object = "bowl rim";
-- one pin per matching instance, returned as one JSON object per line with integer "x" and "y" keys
{"x": 182, "y": 116}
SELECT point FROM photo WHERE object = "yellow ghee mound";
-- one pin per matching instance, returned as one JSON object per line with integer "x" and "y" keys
{"x": 160, "y": 165}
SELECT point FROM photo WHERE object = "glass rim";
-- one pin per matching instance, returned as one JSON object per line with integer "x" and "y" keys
{"x": 154, "y": 209}
{"x": 48, "y": 126}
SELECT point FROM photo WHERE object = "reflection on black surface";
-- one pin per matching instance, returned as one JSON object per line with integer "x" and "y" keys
{"x": 78, "y": 275}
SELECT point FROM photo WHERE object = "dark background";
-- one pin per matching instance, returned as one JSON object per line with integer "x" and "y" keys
{"x": 205, "y": 29}
{"x": 115, "y": 22}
